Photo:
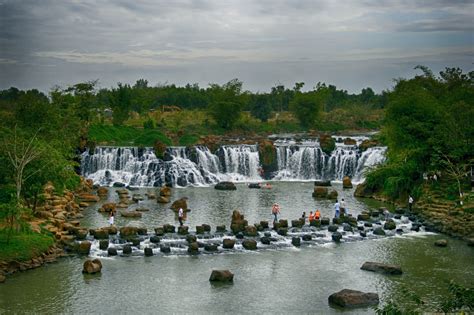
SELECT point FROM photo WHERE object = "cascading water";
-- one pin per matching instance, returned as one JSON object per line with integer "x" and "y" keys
{"x": 181, "y": 166}
{"x": 306, "y": 161}
{"x": 198, "y": 166}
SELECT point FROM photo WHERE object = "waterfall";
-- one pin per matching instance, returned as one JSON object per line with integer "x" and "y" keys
{"x": 181, "y": 166}
{"x": 198, "y": 166}
{"x": 306, "y": 161}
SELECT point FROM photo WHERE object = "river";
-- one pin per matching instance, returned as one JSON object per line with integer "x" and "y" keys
{"x": 278, "y": 280}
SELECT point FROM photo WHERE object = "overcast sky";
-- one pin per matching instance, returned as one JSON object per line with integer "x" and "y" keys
{"x": 352, "y": 44}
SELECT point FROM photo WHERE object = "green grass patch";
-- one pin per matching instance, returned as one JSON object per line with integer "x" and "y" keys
{"x": 188, "y": 140}
{"x": 126, "y": 135}
{"x": 23, "y": 246}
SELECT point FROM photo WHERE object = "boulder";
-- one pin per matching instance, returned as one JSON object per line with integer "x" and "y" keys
{"x": 151, "y": 195}
{"x": 315, "y": 223}
{"x": 84, "y": 248}
{"x": 206, "y": 227}
{"x": 92, "y": 266}
{"x": 336, "y": 237}
{"x": 265, "y": 240}
{"x": 379, "y": 231}
{"x": 127, "y": 231}
{"x": 297, "y": 223}
{"x": 363, "y": 216}
{"x": 165, "y": 249}
{"x": 220, "y": 228}
{"x": 382, "y": 268}
{"x": 183, "y": 230}
{"x": 389, "y": 225}
{"x": 264, "y": 224}
{"x": 155, "y": 239}
{"x": 325, "y": 221}
{"x": 283, "y": 223}
{"x": 210, "y": 247}
{"x": 104, "y": 244}
{"x": 225, "y": 186}
{"x": 193, "y": 248}
{"x": 322, "y": 183}
{"x": 363, "y": 234}
{"x": 251, "y": 230}
{"x": 163, "y": 199}
{"x": 441, "y": 243}
{"x": 282, "y": 231}
{"x": 327, "y": 143}
{"x": 102, "y": 192}
{"x": 363, "y": 191}
{"x": 228, "y": 243}
{"x": 112, "y": 251}
{"x": 296, "y": 241}
{"x": 352, "y": 298}
{"x": 320, "y": 192}
{"x": 347, "y": 228}
{"x": 254, "y": 185}
{"x": 249, "y": 244}
{"x": 108, "y": 207}
{"x": 307, "y": 237}
{"x": 85, "y": 197}
{"x": 369, "y": 143}
{"x": 159, "y": 231}
{"x": 180, "y": 203}
{"x": 349, "y": 141}
{"x": 238, "y": 222}
{"x": 127, "y": 249}
{"x": 332, "y": 194}
{"x": 333, "y": 228}
{"x": 148, "y": 251}
{"x": 346, "y": 182}
{"x": 165, "y": 191}
{"x": 102, "y": 233}
{"x": 221, "y": 276}
{"x": 191, "y": 238}
{"x": 199, "y": 229}
{"x": 168, "y": 228}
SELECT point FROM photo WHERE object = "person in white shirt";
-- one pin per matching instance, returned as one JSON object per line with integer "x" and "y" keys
{"x": 410, "y": 202}
{"x": 180, "y": 216}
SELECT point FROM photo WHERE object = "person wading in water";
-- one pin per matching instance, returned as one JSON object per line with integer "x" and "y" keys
{"x": 275, "y": 212}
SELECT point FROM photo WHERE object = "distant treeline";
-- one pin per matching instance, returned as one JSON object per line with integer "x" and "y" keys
{"x": 141, "y": 97}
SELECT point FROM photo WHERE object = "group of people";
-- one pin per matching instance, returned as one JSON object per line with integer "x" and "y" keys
{"x": 340, "y": 208}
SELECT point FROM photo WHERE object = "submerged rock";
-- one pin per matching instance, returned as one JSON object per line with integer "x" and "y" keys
{"x": 296, "y": 241}
{"x": 353, "y": 298}
{"x": 148, "y": 251}
{"x": 441, "y": 243}
{"x": 221, "y": 276}
{"x": 336, "y": 237}
{"x": 379, "y": 231}
{"x": 112, "y": 251}
{"x": 225, "y": 186}
{"x": 382, "y": 268}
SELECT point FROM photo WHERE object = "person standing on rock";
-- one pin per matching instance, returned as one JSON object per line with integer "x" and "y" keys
{"x": 275, "y": 212}
{"x": 317, "y": 215}
{"x": 337, "y": 208}
{"x": 111, "y": 218}
{"x": 410, "y": 203}
{"x": 343, "y": 207}
{"x": 180, "y": 216}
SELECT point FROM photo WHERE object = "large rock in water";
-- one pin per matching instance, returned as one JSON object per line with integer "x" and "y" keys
{"x": 353, "y": 298}
{"x": 320, "y": 192}
{"x": 165, "y": 191}
{"x": 228, "y": 243}
{"x": 221, "y": 276}
{"x": 238, "y": 222}
{"x": 346, "y": 182}
{"x": 180, "y": 203}
{"x": 84, "y": 248}
{"x": 249, "y": 244}
{"x": 92, "y": 266}
{"x": 382, "y": 268}
{"x": 225, "y": 186}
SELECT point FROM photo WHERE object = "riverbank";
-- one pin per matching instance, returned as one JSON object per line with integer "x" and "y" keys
{"x": 53, "y": 226}
{"x": 438, "y": 213}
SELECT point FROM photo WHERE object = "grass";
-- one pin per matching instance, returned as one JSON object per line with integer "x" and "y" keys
{"x": 126, "y": 135}
{"x": 24, "y": 246}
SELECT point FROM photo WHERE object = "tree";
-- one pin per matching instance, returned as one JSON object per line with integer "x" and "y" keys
{"x": 226, "y": 114}
{"x": 121, "y": 103}
{"x": 261, "y": 107}
{"x": 307, "y": 107}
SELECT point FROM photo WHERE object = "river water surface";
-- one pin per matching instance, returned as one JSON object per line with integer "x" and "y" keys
{"x": 285, "y": 280}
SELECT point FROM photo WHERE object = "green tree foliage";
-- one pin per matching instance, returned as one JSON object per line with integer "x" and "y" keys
{"x": 307, "y": 107}
{"x": 120, "y": 99}
{"x": 226, "y": 114}
{"x": 260, "y": 107}
{"x": 428, "y": 125}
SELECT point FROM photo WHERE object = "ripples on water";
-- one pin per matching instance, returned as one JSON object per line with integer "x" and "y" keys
{"x": 287, "y": 280}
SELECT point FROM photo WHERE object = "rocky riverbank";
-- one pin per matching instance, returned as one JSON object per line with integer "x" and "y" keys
{"x": 437, "y": 213}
